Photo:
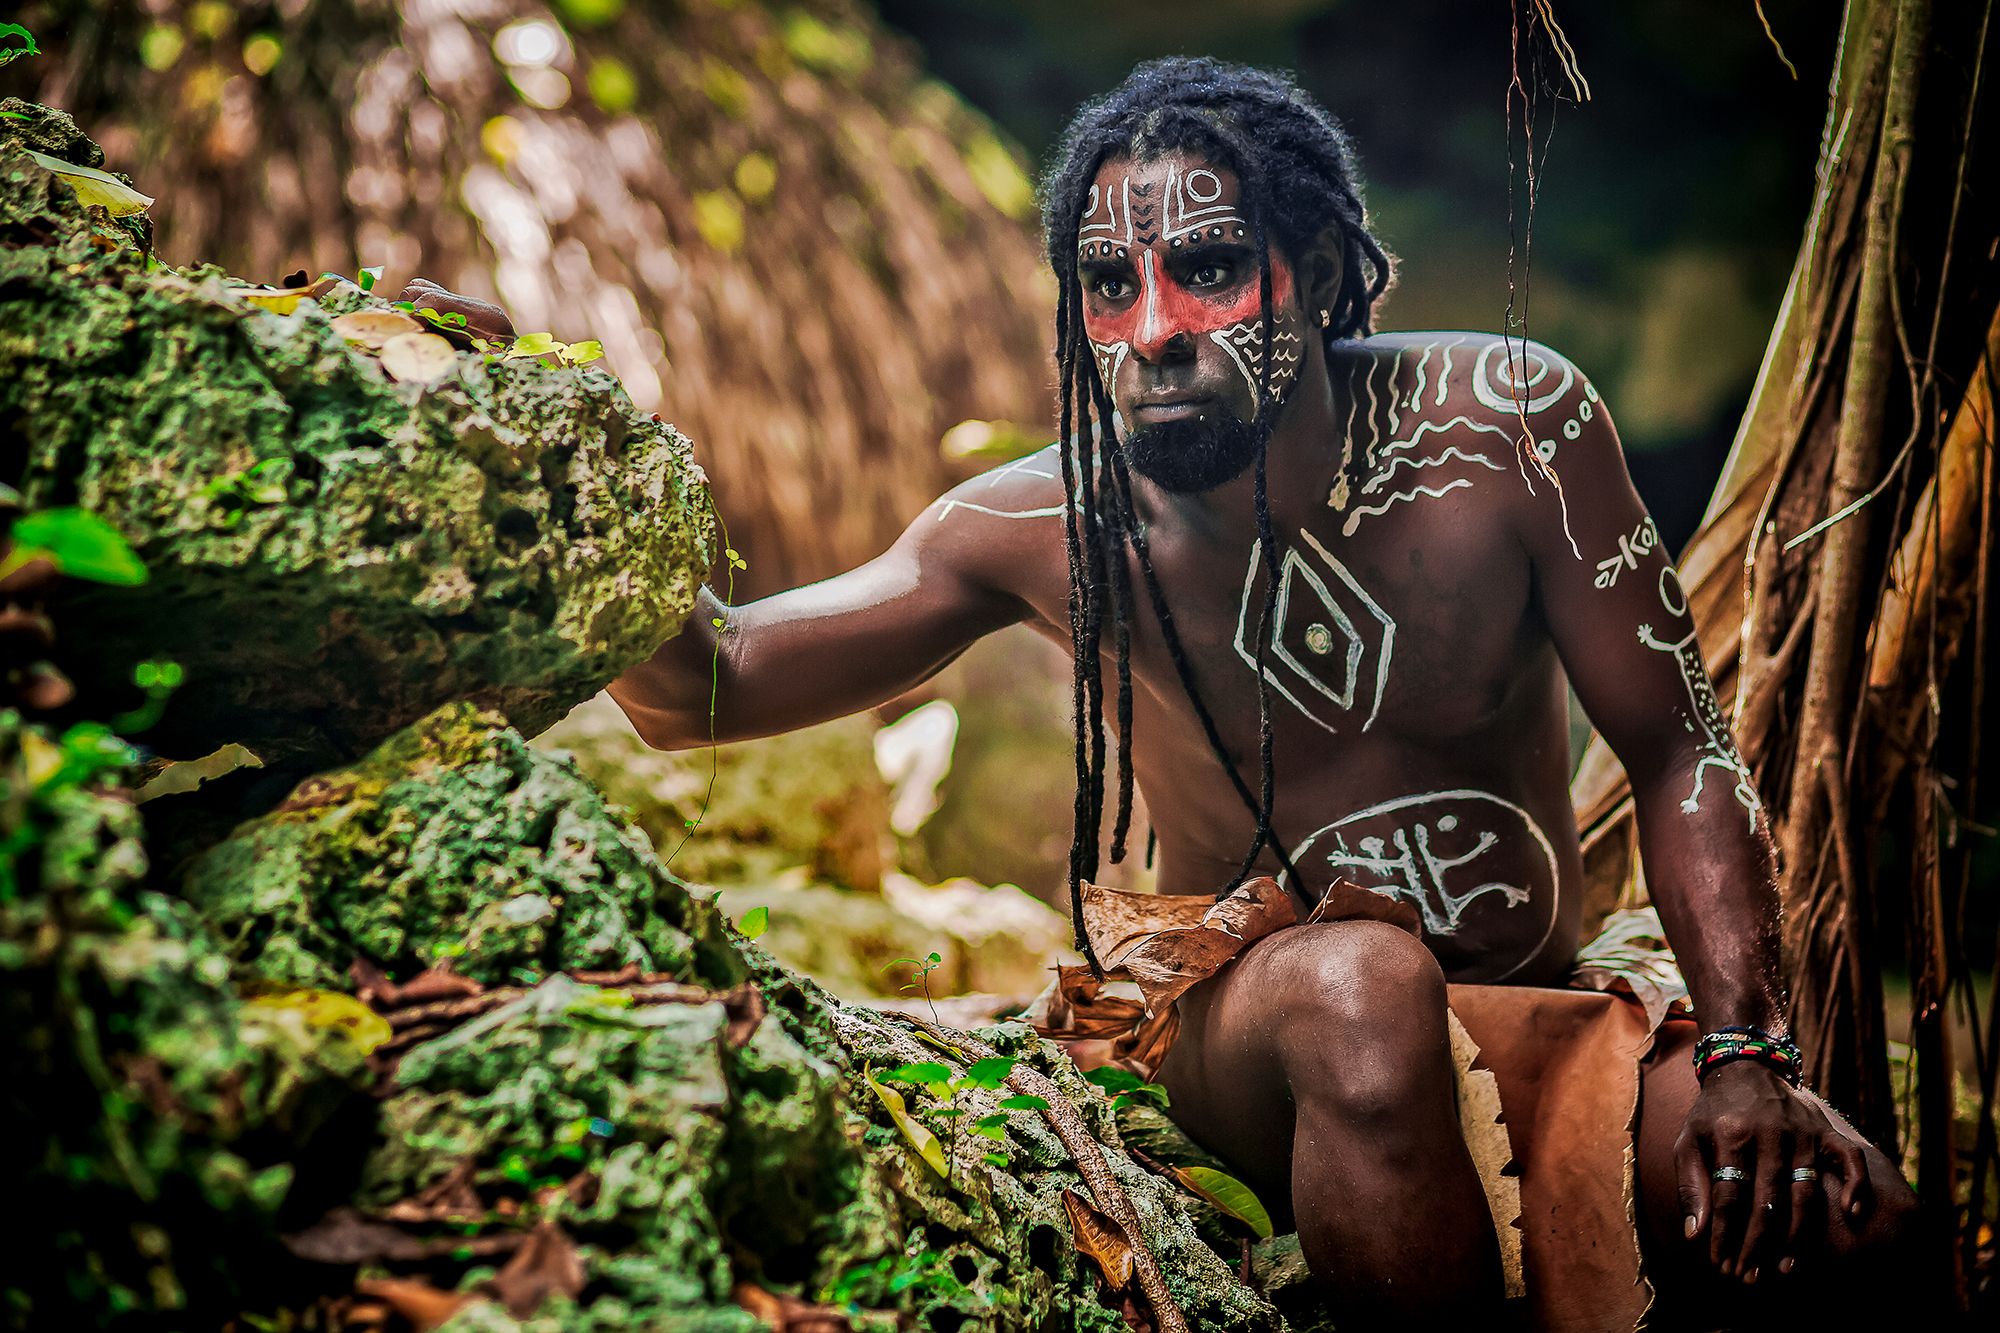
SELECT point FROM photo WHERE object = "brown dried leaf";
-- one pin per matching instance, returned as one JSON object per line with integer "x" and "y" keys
{"x": 374, "y": 329}
{"x": 452, "y": 1199}
{"x": 1100, "y": 1239}
{"x": 421, "y": 1305}
{"x": 745, "y": 1005}
{"x": 418, "y": 358}
{"x": 788, "y": 1313}
{"x": 545, "y": 1264}
{"x": 1166, "y": 947}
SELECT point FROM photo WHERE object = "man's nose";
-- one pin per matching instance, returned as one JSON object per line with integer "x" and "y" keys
{"x": 1160, "y": 336}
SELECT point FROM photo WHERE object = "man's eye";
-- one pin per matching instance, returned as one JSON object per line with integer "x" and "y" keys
{"x": 1112, "y": 289}
{"x": 1209, "y": 275}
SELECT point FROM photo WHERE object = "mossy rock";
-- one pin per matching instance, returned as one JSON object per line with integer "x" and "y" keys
{"x": 455, "y": 842}
{"x": 157, "y": 1126}
{"x": 333, "y": 552}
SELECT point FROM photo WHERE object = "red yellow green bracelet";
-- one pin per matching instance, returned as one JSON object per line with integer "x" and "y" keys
{"x": 1720, "y": 1047}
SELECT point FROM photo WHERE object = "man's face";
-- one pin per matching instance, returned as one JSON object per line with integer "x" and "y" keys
{"x": 1168, "y": 265}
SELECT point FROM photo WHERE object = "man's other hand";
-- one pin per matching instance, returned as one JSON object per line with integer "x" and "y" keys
{"x": 483, "y": 319}
{"x": 1749, "y": 1118}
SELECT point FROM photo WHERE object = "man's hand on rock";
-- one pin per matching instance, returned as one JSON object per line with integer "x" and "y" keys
{"x": 483, "y": 319}
{"x": 1747, "y": 1118}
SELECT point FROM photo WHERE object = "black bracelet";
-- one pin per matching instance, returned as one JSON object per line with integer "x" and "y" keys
{"x": 1720, "y": 1047}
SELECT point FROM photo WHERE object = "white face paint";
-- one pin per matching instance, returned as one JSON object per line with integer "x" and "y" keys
{"x": 1641, "y": 542}
{"x": 1346, "y": 637}
{"x": 1435, "y": 851}
{"x": 1704, "y": 719}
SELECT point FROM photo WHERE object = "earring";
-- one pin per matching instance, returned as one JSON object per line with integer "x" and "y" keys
{"x": 1325, "y": 319}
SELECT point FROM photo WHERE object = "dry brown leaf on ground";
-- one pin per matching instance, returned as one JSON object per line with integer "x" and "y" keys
{"x": 1100, "y": 1239}
{"x": 787, "y": 1313}
{"x": 421, "y": 1305}
{"x": 347, "y": 1235}
{"x": 546, "y": 1263}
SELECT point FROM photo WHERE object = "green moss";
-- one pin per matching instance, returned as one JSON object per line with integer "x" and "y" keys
{"x": 154, "y": 1123}
{"x": 457, "y": 842}
{"x": 515, "y": 534}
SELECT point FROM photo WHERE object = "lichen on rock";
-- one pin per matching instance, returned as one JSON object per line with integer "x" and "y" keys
{"x": 454, "y": 843}
{"x": 334, "y": 553}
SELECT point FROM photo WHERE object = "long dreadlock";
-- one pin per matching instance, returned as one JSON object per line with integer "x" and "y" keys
{"x": 1296, "y": 169}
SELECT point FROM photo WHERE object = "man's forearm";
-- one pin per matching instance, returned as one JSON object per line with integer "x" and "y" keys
{"x": 670, "y": 696}
{"x": 1714, "y": 879}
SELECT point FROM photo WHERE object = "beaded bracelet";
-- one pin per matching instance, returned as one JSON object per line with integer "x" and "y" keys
{"x": 1723, "y": 1045}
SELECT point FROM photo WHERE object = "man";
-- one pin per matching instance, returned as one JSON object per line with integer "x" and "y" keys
{"x": 1344, "y": 579}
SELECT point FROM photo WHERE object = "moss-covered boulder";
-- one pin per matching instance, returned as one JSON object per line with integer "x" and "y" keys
{"x": 454, "y": 843}
{"x": 158, "y": 1127}
{"x": 616, "y": 1078}
{"x": 339, "y": 539}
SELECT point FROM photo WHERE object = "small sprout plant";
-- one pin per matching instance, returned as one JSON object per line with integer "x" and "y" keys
{"x": 920, "y": 977}
{"x": 936, "y": 1078}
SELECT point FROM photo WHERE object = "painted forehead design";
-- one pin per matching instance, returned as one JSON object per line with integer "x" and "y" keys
{"x": 1129, "y": 213}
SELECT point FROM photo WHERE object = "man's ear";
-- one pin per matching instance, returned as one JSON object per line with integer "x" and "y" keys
{"x": 1320, "y": 269}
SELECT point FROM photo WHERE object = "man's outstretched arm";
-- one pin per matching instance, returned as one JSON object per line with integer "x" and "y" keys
{"x": 848, "y": 642}
{"x": 1620, "y": 620}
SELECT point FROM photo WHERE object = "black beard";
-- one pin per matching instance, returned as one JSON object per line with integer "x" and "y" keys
{"x": 1191, "y": 456}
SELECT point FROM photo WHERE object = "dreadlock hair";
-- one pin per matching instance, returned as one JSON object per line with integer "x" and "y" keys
{"x": 1295, "y": 165}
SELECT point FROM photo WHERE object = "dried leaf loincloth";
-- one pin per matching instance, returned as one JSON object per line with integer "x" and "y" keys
{"x": 1548, "y": 1093}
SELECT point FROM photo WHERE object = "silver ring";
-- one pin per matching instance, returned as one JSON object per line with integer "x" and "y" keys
{"x": 1805, "y": 1175}
{"x": 1728, "y": 1173}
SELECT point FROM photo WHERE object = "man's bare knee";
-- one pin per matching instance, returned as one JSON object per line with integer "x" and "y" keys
{"x": 1365, "y": 1034}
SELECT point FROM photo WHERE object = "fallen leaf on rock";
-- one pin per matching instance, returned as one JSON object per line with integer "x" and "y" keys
{"x": 94, "y": 188}
{"x": 373, "y": 986}
{"x": 418, "y": 358}
{"x": 745, "y": 1005}
{"x": 329, "y": 1011}
{"x": 346, "y": 1235}
{"x": 374, "y": 328}
{"x": 1229, "y": 1194}
{"x": 925, "y": 1142}
{"x": 787, "y": 1313}
{"x": 421, "y": 1305}
{"x": 277, "y": 302}
{"x": 545, "y": 1264}
{"x": 1100, "y": 1239}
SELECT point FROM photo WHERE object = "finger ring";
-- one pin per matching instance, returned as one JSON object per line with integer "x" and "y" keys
{"x": 1805, "y": 1175}
{"x": 1770, "y": 1207}
{"x": 1729, "y": 1173}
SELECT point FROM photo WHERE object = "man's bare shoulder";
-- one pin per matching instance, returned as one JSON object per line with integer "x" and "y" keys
{"x": 1461, "y": 414}
{"x": 1027, "y": 490}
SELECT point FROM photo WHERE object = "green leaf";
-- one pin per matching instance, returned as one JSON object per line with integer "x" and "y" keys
{"x": 1113, "y": 1079}
{"x": 989, "y": 1073}
{"x": 26, "y": 47}
{"x": 992, "y": 1126}
{"x": 583, "y": 353}
{"x": 79, "y": 543}
{"x": 925, "y": 1072}
{"x": 369, "y": 277}
{"x": 1024, "y": 1101}
{"x": 1229, "y": 1194}
{"x": 754, "y": 922}
{"x": 534, "y": 344}
{"x": 921, "y": 1139}
{"x": 997, "y": 1159}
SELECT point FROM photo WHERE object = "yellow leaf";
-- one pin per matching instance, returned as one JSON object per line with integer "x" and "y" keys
{"x": 99, "y": 189}
{"x": 326, "y": 1009}
{"x": 278, "y": 302}
{"x": 1101, "y": 1239}
{"x": 925, "y": 1142}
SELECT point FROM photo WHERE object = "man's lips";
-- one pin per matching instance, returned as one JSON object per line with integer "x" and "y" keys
{"x": 1171, "y": 407}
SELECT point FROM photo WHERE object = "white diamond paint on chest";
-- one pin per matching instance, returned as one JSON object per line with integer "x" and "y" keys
{"x": 1348, "y": 637}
